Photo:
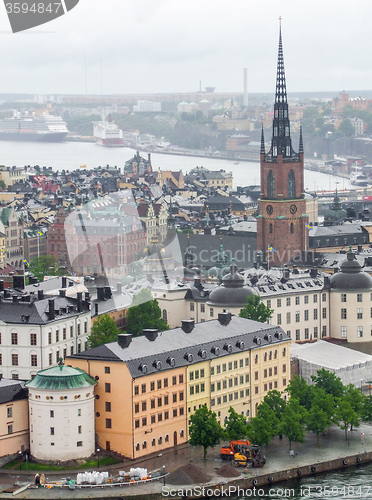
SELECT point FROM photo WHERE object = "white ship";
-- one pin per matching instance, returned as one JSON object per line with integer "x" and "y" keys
{"x": 357, "y": 178}
{"x": 106, "y": 133}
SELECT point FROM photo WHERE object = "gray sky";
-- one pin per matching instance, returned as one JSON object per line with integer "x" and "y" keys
{"x": 169, "y": 45}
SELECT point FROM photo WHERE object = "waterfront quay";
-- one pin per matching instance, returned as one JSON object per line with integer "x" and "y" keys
{"x": 307, "y": 459}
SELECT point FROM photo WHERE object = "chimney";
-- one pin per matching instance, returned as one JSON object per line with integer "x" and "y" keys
{"x": 6, "y": 293}
{"x": 224, "y": 318}
{"x": 80, "y": 301}
{"x": 64, "y": 282}
{"x": 100, "y": 293}
{"x": 96, "y": 309}
{"x": 1, "y": 285}
{"x": 15, "y": 298}
{"x": 313, "y": 272}
{"x": 87, "y": 297}
{"x": 150, "y": 333}
{"x": 124, "y": 339}
{"x": 118, "y": 286}
{"x": 33, "y": 280}
{"x": 327, "y": 282}
{"x": 149, "y": 278}
{"x": 188, "y": 325}
{"x": 360, "y": 249}
{"x": 62, "y": 293}
{"x": 149, "y": 157}
{"x": 108, "y": 293}
{"x": 1, "y": 376}
{"x": 51, "y": 312}
{"x": 19, "y": 282}
{"x": 40, "y": 294}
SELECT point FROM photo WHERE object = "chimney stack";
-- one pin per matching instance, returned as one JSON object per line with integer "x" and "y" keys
{"x": 124, "y": 339}
{"x": 80, "y": 301}
{"x": 64, "y": 282}
{"x": 96, "y": 309}
{"x": 150, "y": 333}
{"x": 108, "y": 293}
{"x": 118, "y": 286}
{"x": 224, "y": 318}
{"x": 62, "y": 293}
{"x": 40, "y": 294}
{"x": 51, "y": 313}
{"x": 100, "y": 293}
{"x": 188, "y": 325}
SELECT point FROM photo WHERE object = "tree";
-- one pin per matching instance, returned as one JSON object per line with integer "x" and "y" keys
{"x": 255, "y": 309}
{"x": 321, "y": 413}
{"x": 235, "y": 426}
{"x": 346, "y": 128}
{"x": 345, "y": 415}
{"x": 104, "y": 330}
{"x": 145, "y": 313}
{"x": 204, "y": 429}
{"x": 275, "y": 402}
{"x": 298, "y": 388}
{"x": 329, "y": 382}
{"x": 292, "y": 423}
{"x": 2, "y": 185}
{"x": 46, "y": 265}
{"x": 263, "y": 427}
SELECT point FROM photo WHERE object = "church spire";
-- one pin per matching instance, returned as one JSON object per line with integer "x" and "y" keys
{"x": 262, "y": 141}
{"x": 281, "y": 143}
{"x": 301, "y": 146}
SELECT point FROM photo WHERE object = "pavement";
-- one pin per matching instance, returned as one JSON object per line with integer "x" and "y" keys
{"x": 332, "y": 446}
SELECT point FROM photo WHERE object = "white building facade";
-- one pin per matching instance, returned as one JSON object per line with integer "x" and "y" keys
{"x": 61, "y": 412}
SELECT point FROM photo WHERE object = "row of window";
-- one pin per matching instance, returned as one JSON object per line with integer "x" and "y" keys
{"x": 229, "y": 366}
{"x": 359, "y": 313}
{"x": 234, "y": 381}
{"x": 288, "y": 300}
{"x": 359, "y": 331}
{"x": 159, "y": 417}
{"x": 298, "y": 316}
{"x": 161, "y": 383}
{"x": 160, "y": 401}
{"x": 160, "y": 440}
{"x": 79, "y": 430}
{"x": 307, "y": 333}
{"x": 230, "y": 397}
{"x": 359, "y": 297}
{"x": 198, "y": 373}
{"x": 33, "y": 336}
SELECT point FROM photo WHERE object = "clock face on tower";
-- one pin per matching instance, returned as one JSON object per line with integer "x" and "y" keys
{"x": 293, "y": 209}
{"x": 269, "y": 209}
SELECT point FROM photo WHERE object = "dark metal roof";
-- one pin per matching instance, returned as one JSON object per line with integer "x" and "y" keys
{"x": 176, "y": 344}
{"x": 36, "y": 311}
{"x": 12, "y": 390}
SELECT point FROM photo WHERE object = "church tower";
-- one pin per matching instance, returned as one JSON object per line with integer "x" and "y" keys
{"x": 282, "y": 220}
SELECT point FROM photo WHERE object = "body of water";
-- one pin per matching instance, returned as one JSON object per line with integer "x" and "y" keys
{"x": 349, "y": 484}
{"x": 71, "y": 155}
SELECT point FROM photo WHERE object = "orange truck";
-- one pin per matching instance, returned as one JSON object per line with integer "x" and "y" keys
{"x": 228, "y": 452}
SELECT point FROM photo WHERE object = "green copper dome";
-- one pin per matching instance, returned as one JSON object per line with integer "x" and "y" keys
{"x": 61, "y": 377}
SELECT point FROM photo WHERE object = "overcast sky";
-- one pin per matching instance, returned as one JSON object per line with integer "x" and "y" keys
{"x": 170, "y": 45}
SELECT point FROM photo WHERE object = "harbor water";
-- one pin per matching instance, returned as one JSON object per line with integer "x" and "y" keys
{"x": 72, "y": 155}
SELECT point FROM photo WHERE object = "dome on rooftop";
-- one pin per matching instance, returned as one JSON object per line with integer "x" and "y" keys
{"x": 61, "y": 377}
{"x": 351, "y": 276}
{"x": 232, "y": 292}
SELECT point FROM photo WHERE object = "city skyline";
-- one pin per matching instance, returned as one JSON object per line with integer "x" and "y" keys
{"x": 126, "y": 47}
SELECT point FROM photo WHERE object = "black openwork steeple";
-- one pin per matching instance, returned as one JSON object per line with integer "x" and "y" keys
{"x": 281, "y": 143}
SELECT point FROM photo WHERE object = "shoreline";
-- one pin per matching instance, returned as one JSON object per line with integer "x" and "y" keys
{"x": 309, "y": 459}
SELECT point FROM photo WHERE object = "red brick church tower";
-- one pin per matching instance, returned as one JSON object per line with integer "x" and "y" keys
{"x": 282, "y": 220}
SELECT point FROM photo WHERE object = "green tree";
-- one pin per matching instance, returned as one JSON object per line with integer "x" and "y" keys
{"x": 263, "y": 427}
{"x": 46, "y": 265}
{"x": 367, "y": 409}
{"x": 255, "y": 309}
{"x": 204, "y": 429}
{"x": 356, "y": 399}
{"x": 329, "y": 382}
{"x": 2, "y": 185}
{"x": 275, "y": 402}
{"x": 345, "y": 415}
{"x": 235, "y": 426}
{"x": 144, "y": 313}
{"x": 292, "y": 424}
{"x": 346, "y": 128}
{"x": 104, "y": 330}
{"x": 298, "y": 388}
{"x": 320, "y": 415}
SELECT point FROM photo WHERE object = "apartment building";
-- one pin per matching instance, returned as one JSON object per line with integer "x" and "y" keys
{"x": 148, "y": 386}
{"x": 13, "y": 417}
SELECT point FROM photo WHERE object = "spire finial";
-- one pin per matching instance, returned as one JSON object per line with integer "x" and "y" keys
{"x": 262, "y": 141}
{"x": 280, "y": 21}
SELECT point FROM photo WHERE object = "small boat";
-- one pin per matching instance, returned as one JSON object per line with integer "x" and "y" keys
{"x": 236, "y": 163}
{"x": 357, "y": 178}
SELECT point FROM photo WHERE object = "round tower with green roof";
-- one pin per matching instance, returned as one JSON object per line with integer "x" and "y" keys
{"x": 61, "y": 406}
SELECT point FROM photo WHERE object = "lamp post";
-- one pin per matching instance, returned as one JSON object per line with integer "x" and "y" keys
{"x": 98, "y": 450}
{"x": 20, "y": 460}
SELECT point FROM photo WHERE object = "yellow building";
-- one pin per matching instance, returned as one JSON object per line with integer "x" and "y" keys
{"x": 14, "y": 428}
{"x": 148, "y": 386}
